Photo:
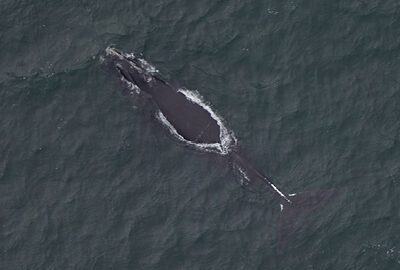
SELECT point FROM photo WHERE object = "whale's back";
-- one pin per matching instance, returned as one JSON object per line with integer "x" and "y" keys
{"x": 189, "y": 119}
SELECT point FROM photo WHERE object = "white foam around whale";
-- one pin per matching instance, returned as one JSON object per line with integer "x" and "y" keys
{"x": 147, "y": 66}
{"x": 227, "y": 138}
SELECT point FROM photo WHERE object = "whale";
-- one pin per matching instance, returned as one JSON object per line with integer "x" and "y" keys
{"x": 193, "y": 122}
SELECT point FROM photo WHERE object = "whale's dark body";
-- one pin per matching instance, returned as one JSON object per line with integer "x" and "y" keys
{"x": 195, "y": 124}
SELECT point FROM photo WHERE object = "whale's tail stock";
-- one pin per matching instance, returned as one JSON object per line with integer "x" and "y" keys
{"x": 302, "y": 204}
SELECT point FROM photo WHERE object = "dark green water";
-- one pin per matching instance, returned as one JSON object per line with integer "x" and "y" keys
{"x": 311, "y": 88}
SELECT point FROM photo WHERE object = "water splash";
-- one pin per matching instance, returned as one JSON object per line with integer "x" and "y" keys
{"x": 227, "y": 138}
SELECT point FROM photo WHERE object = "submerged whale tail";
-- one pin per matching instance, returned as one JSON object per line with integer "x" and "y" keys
{"x": 301, "y": 205}
{"x": 294, "y": 207}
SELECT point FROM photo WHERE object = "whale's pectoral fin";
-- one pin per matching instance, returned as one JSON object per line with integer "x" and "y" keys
{"x": 292, "y": 214}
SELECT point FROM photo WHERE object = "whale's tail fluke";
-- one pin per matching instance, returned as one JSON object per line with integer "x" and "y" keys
{"x": 294, "y": 207}
{"x": 293, "y": 213}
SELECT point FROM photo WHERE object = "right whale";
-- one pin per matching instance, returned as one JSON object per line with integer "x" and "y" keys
{"x": 191, "y": 121}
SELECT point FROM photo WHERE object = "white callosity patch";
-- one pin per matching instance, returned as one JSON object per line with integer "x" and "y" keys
{"x": 133, "y": 88}
{"x": 227, "y": 139}
{"x": 111, "y": 51}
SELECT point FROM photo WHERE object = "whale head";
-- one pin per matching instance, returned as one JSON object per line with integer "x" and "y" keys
{"x": 134, "y": 71}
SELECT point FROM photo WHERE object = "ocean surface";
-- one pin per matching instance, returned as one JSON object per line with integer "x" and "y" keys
{"x": 310, "y": 88}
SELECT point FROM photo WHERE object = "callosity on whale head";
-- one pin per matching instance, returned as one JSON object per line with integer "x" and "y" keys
{"x": 135, "y": 72}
